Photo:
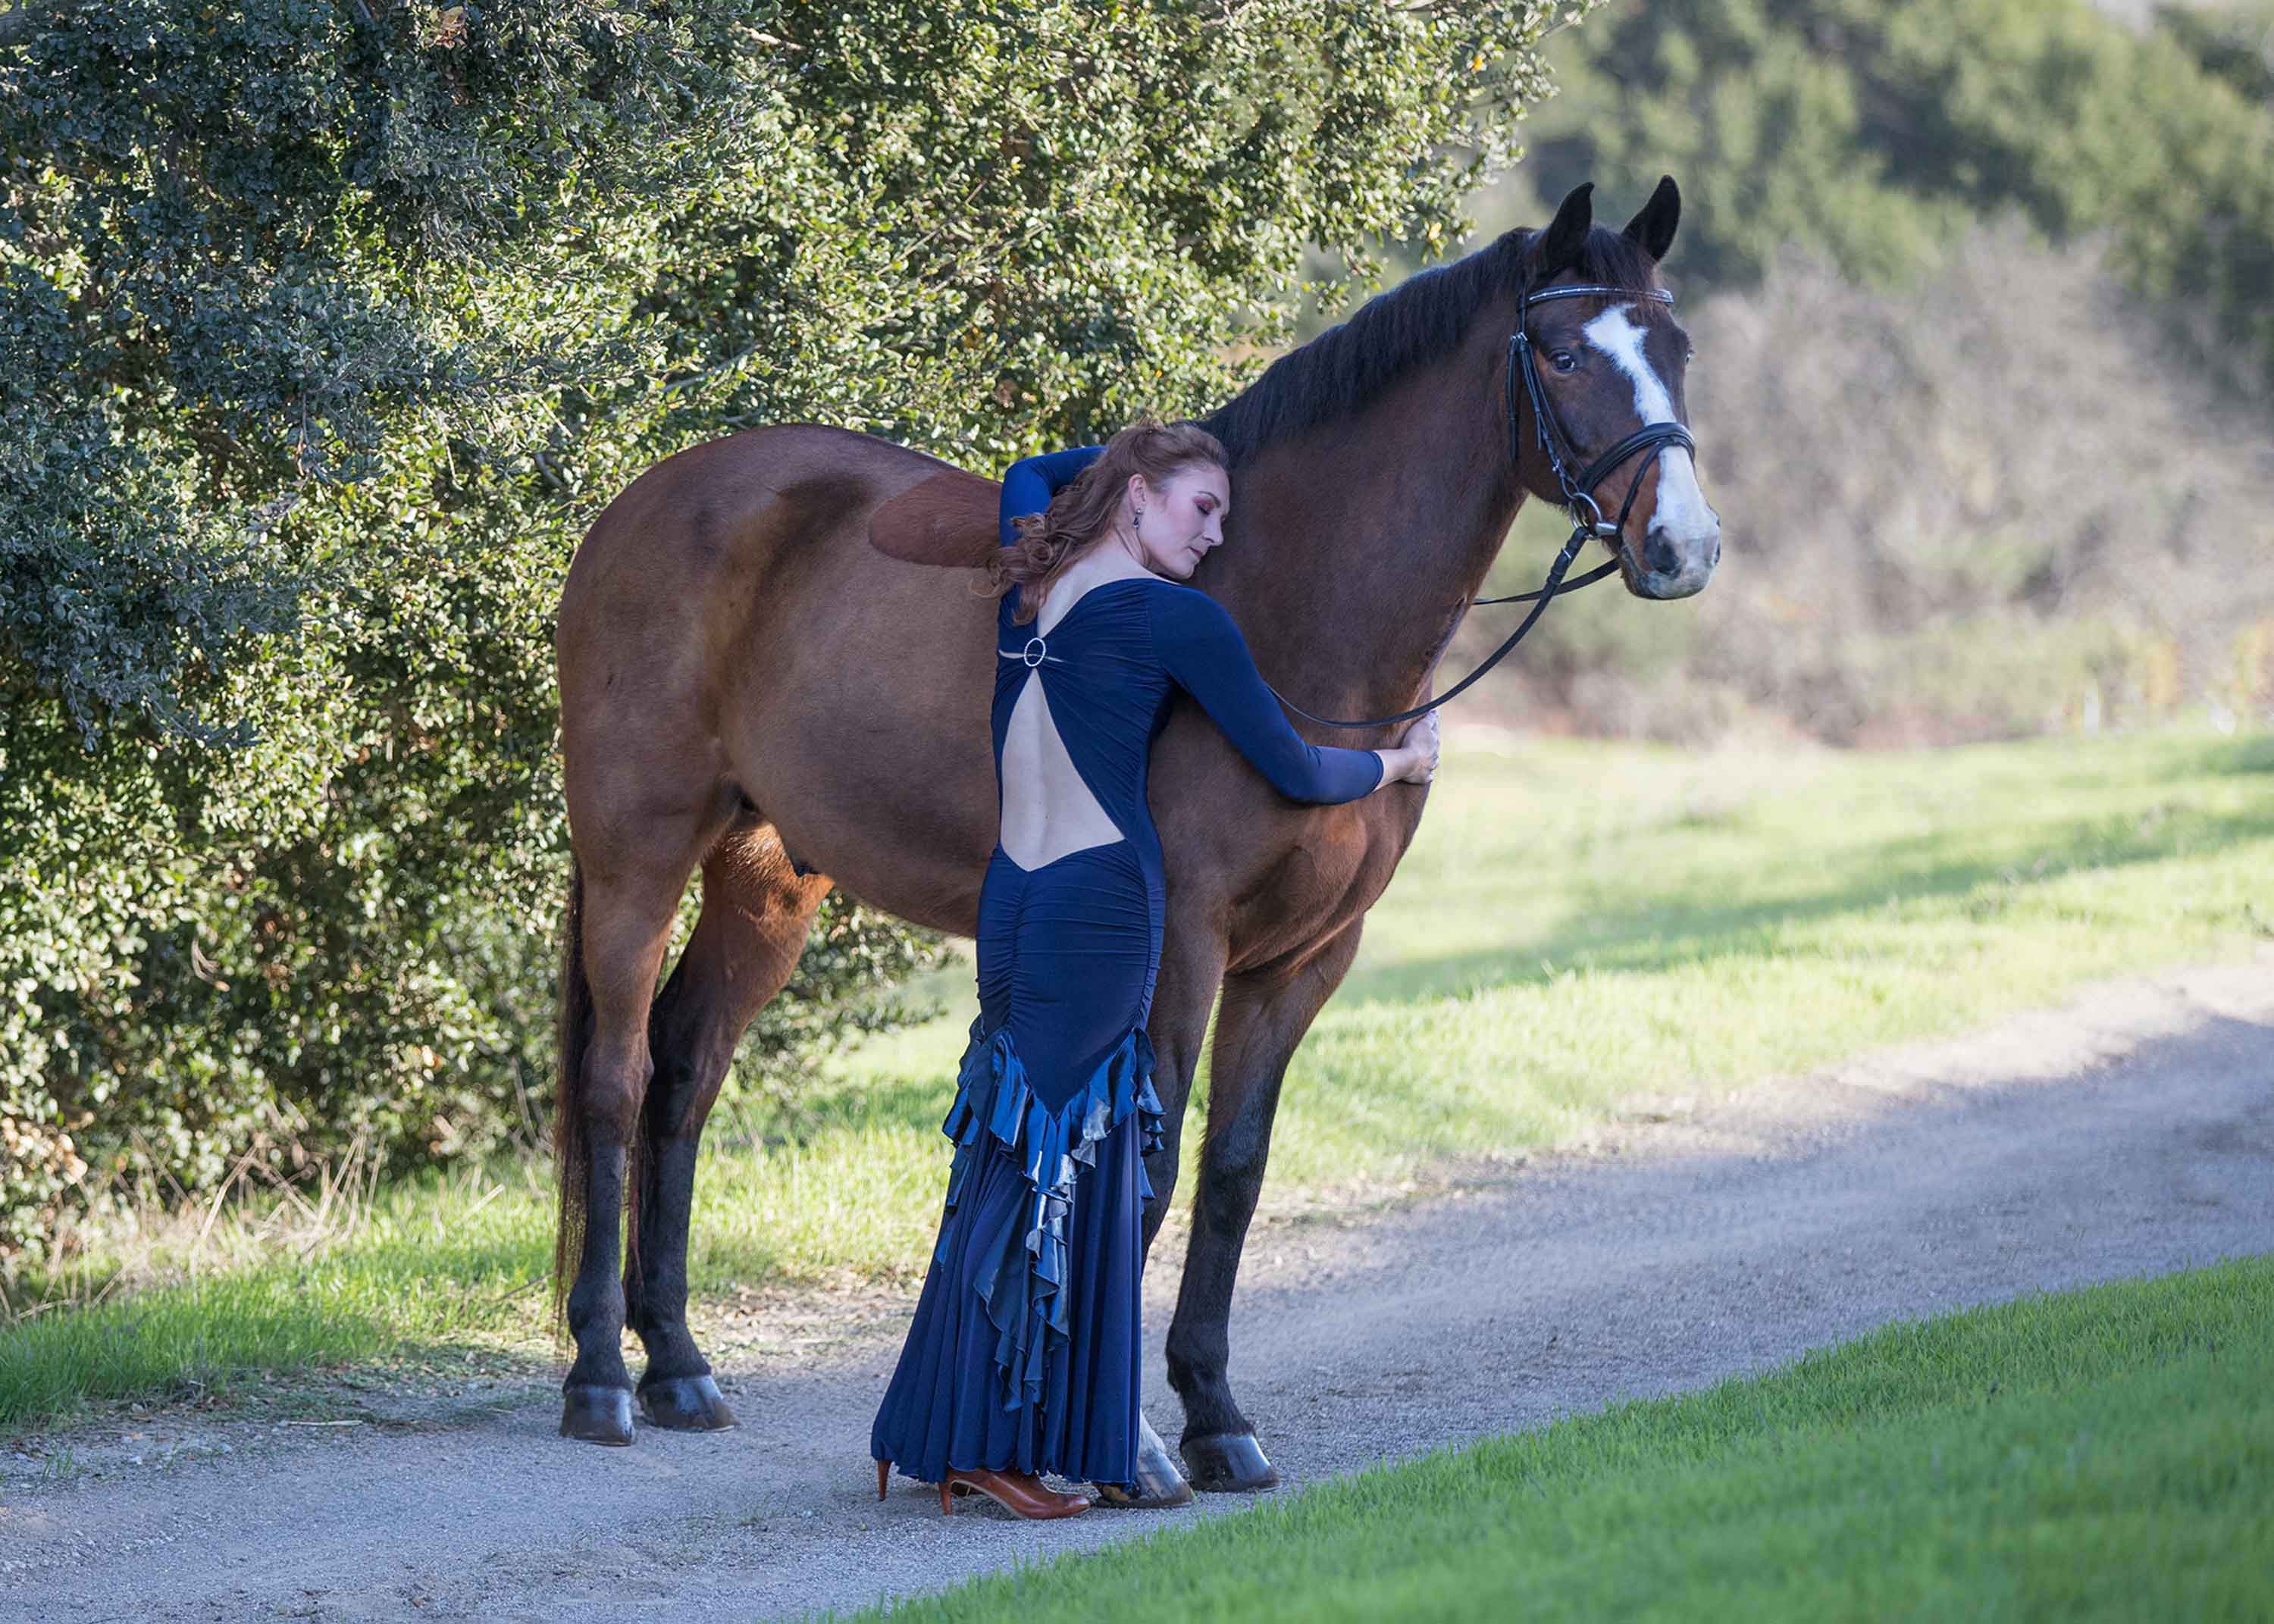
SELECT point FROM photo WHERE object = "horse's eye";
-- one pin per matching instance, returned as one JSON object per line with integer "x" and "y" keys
{"x": 1563, "y": 361}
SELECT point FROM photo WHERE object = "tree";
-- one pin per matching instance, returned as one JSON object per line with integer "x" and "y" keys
{"x": 329, "y": 328}
{"x": 1876, "y": 135}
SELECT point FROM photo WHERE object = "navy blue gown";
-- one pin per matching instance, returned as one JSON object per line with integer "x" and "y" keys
{"x": 1024, "y": 1352}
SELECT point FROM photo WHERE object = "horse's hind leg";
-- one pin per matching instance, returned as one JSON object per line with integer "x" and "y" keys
{"x": 1264, "y": 1015}
{"x": 756, "y": 912}
{"x": 622, "y": 909}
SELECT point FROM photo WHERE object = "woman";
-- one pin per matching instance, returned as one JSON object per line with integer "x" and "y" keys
{"x": 1023, "y": 1356}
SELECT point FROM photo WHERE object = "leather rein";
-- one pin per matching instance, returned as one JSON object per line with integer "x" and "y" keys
{"x": 1587, "y": 521}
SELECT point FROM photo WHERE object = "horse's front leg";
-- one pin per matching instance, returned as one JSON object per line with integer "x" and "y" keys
{"x": 1192, "y": 969}
{"x": 1264, "y": 1016}
{"x": 756, "y": 912}
{"x": 1184, "y": 992}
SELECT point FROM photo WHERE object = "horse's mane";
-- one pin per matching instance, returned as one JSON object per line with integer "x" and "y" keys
{"x": 1418, "y": 321}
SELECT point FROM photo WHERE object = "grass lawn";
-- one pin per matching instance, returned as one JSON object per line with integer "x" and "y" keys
{"x": 2106, "y": 1453}
{"x": 1576, "y": 925}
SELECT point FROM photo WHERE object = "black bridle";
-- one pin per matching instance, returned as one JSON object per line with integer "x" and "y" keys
{"x": 1587, "y": 521}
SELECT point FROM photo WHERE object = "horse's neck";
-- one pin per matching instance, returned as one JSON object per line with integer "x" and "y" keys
{"x": 1369, "y": 537}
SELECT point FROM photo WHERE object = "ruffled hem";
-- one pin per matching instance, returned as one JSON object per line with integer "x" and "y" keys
{"x": 995, "y": 1109}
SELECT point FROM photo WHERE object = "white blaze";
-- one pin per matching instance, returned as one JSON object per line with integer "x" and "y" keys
{"x": 1681, "y": 512}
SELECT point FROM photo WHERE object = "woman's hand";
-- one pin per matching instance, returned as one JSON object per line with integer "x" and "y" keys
{"x": 1414, "y": 760}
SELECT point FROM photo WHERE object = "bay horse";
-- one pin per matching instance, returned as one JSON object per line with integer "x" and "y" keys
{"x": 774, "y": 666}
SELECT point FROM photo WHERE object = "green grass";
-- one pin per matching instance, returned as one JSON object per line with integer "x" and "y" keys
{"x": 431, "y": 1269}
{"x": 1576, "y": 925}
{"x": 2106, "y": 1453}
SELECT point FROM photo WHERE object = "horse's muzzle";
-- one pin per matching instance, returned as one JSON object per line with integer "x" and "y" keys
{"x": 1668, "y": 568}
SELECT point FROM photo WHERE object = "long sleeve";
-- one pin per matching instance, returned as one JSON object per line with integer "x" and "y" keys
{"x": 1029, "y": 483}
{"x": 1200, "y": 648}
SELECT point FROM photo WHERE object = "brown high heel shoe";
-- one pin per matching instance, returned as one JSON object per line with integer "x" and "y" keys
{"x": 1019, "y": 1493}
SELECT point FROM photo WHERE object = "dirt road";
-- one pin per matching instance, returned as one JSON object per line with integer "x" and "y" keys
{"x": 2130, "y": 1132}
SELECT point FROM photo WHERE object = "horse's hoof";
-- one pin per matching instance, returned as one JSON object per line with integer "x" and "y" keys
{"x": 685, "y": 1404}
{"x": 1159, "y": 1483}
{"x": 1228, "y": 1463}
{"x": 596, "y": 1414}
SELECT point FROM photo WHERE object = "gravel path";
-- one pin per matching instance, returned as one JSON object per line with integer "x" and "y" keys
{"x": 2129, "y": 1132}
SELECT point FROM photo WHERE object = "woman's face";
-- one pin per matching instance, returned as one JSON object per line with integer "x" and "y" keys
{"x": 1182, "y": 519}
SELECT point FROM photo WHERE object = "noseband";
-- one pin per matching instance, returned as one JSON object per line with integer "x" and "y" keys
{"x": 1587, "y": 521}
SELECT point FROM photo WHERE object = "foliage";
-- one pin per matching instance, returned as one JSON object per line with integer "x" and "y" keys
{"x": 325, "y": 329}
{"x": 1875, "y": 135}
{"x": 2235, "y": 41}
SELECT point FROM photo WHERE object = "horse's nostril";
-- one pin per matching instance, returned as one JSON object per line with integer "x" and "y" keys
{"x": 1717, "y": 552}
{"x": 1658, "y": 554}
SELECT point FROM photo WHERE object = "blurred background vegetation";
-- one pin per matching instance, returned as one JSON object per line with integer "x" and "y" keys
{"x": 325, "y": 329}
{"x": 1980, "y": 291}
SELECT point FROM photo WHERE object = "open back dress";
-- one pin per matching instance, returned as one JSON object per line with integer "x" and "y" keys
{"x": 1024, "y": 1352}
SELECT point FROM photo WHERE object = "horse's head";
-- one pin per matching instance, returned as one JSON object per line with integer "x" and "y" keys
{"x": 1606, "y": 365}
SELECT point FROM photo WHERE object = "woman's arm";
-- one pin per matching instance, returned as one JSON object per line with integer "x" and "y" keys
{"x": 1029, "y": 483}
{"x": 1199, "y": 646}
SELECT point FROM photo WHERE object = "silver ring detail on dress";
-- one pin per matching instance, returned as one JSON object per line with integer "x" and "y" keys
{"x": 1034, "y": 653}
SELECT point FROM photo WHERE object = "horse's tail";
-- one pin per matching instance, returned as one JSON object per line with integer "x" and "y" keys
{"x": 573, "y": 1156}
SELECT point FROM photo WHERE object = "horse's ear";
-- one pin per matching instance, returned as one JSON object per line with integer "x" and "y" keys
{"x": 1566, "y": 234}
{"x": 1653, "y": 227}
{"x": 946, "y": 519}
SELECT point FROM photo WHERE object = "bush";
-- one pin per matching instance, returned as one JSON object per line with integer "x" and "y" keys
{"x": 325, "y": 332}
